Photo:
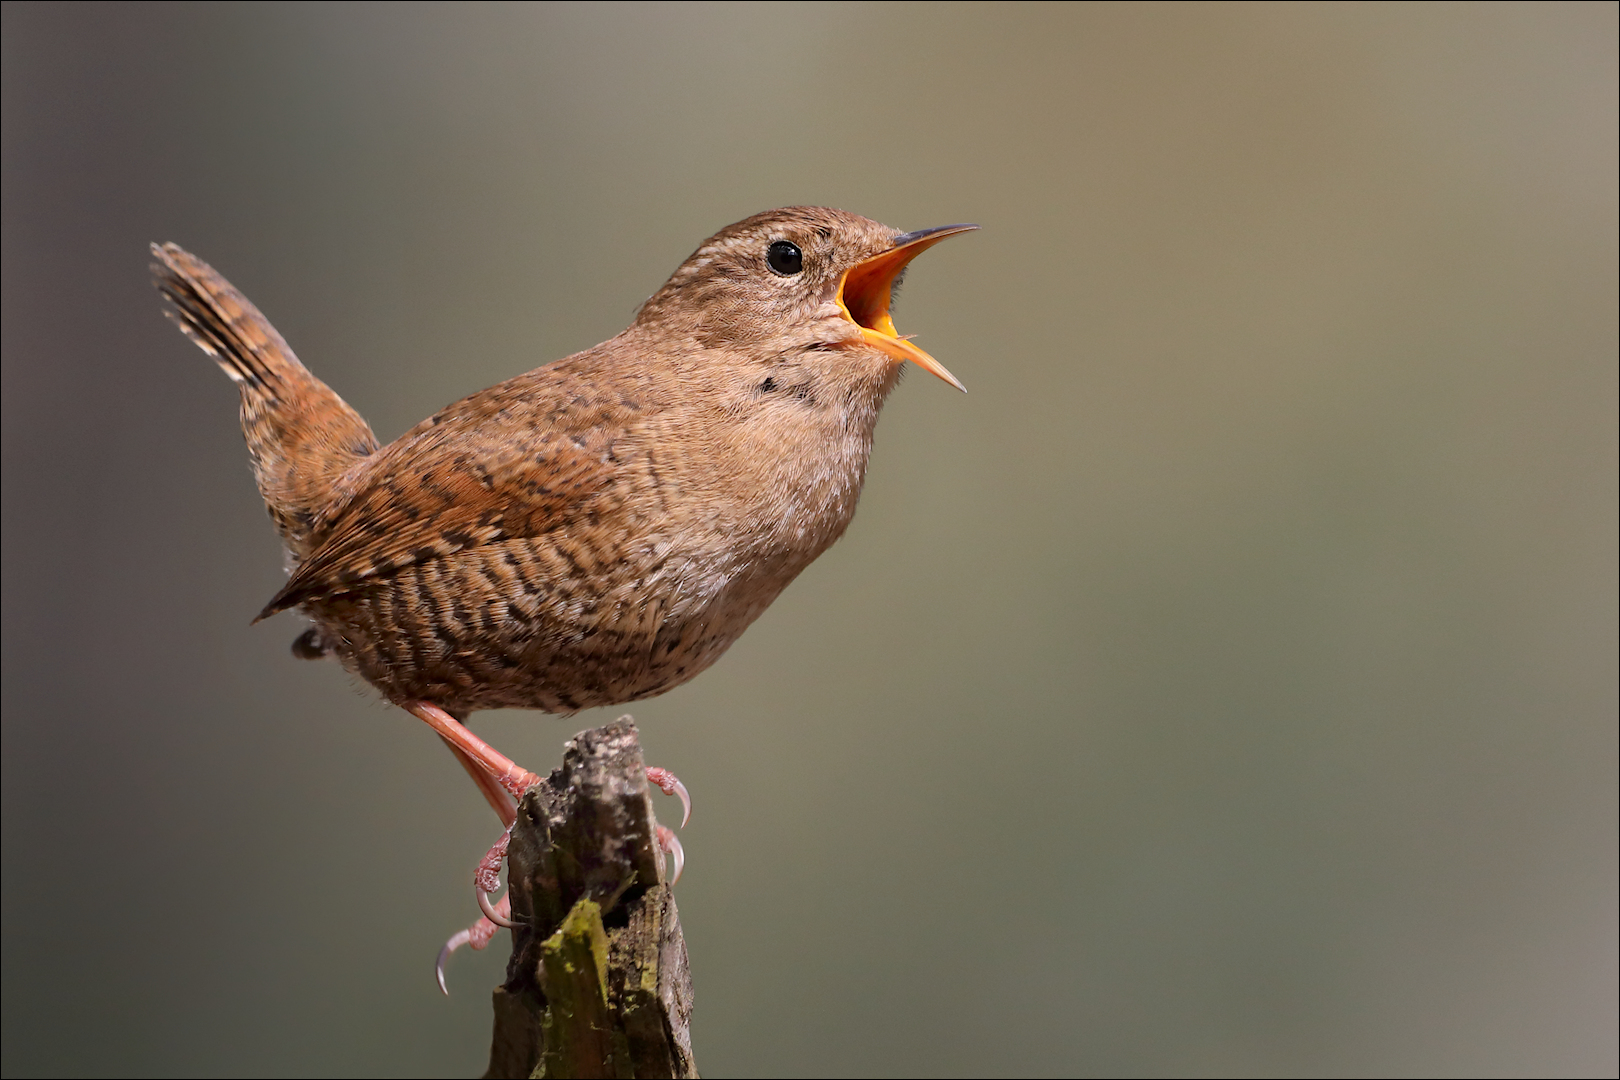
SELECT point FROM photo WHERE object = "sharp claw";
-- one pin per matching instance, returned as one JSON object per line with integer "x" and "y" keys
{"x": 490, "y": 911}
{"x": 457, "y": 940}
{"x": 668, "y": 842}
{"x": 476, "y": 936}
{"x": 669, "y": 784}
{"x": 680, "y": 858}
{"x": 686, "y": 802}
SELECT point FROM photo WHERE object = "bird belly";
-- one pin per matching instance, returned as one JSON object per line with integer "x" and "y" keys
{"x": 544, "y": 624}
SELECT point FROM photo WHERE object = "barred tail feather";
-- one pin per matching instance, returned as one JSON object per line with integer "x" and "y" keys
{"x": 302, "y": 437}
{"x": 222, "y": 321}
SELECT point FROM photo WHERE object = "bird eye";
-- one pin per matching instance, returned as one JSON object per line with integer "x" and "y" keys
{"x": 785, "y": 258}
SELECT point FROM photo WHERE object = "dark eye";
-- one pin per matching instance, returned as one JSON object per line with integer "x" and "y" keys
{"x": 785, "y": 258}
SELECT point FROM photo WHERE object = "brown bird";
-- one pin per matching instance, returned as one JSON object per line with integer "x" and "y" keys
{"x": 598, "y": 530}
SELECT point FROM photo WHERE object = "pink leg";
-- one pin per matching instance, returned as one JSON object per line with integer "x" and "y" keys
{"x": 499, "y": 800}
{"x": 512, "y": 778}
{"x": 501, "y": 782}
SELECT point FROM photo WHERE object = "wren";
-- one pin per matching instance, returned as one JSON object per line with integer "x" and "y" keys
{"x": 600, "y": 529}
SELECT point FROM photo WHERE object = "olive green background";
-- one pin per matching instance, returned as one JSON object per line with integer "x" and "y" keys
{"x": 1224, "y": 686}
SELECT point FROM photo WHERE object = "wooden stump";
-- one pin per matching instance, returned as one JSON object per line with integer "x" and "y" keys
{"x": 598, "y": 984}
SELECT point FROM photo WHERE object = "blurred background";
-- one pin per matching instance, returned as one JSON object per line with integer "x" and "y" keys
{"x": 1224, "y": 686}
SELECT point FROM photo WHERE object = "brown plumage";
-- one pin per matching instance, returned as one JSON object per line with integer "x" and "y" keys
{"x": 598, "y": 530}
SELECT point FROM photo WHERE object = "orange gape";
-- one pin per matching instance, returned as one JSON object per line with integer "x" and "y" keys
{"x": 598, "y": 530}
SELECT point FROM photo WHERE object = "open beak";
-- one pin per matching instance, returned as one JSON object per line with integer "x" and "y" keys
{"x": 865, "y": 291}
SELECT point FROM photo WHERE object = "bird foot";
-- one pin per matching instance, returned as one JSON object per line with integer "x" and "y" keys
{"x": 669, "y": 784}
{"x": 497, "y": 913}
{"x": 666, "y": 781}
{"x": 487, "y": 878}
{"x": 509, "y": 778}
{"x": 476, "y": 936}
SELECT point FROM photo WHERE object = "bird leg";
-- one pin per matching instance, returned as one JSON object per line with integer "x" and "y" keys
{"x": 511, "y": 777}
{"x": 499, "y": 799}
{"x": 502, "y": 782}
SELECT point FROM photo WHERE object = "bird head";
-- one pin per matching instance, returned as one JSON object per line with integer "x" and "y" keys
{"x": 802, "y": 279}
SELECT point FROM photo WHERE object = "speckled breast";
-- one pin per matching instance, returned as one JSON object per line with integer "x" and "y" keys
{"x": 541, "y": 623}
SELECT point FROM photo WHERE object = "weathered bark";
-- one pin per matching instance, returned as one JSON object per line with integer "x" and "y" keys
{"x": 598, "y": 984}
